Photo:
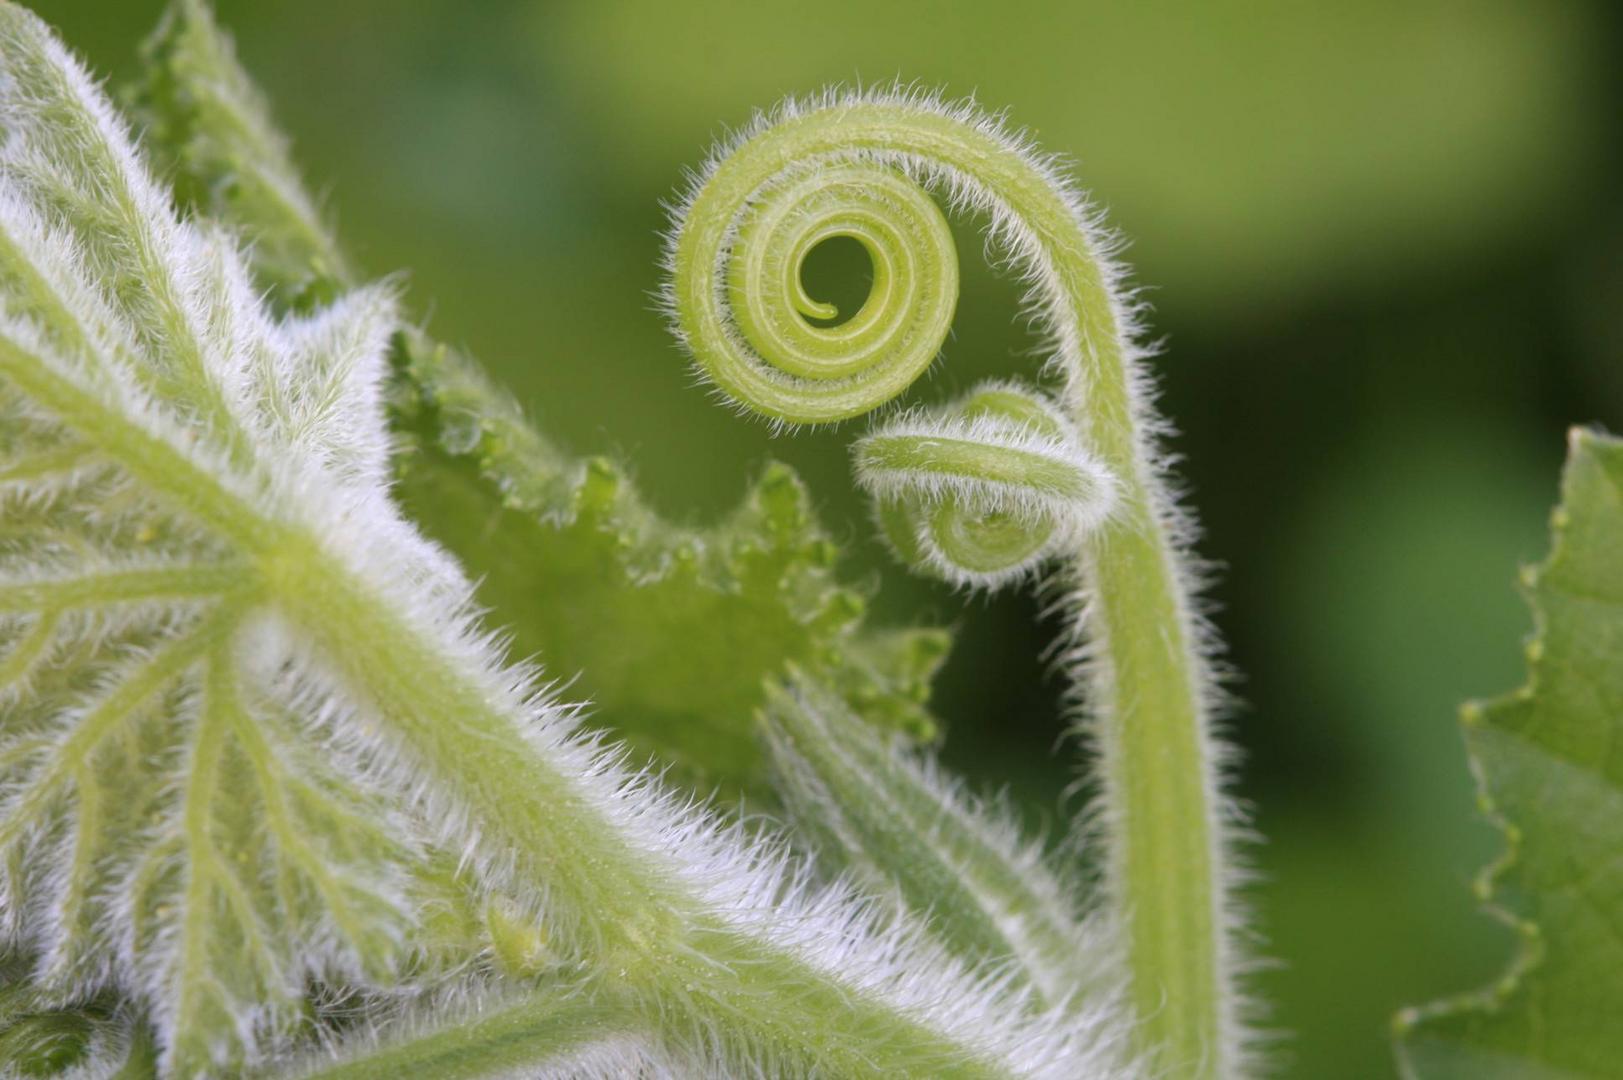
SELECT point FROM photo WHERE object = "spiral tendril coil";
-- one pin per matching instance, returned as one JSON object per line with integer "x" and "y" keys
{"x": 978, "y": 492}
{"x": 745, "y": 313}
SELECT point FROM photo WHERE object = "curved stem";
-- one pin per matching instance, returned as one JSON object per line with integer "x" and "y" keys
{"x": 538, "y": 1034}
{"x": 906, "y": 829}
{"x": 628, "y": 911}
{"x": 1136, "y": 653}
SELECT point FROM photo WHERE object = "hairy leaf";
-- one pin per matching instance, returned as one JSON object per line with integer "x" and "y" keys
{"x": 167, "y": 823}
{"x": 1550, "y": 775}
{"x": 203, "y": 111}
{"x": 671, "y": 631}
{"x": 41, "y": 1037}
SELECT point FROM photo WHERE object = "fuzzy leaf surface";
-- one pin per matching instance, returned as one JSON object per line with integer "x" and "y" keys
{"x": 40, "y": 1037}
{"x": 1549, "y": 761}
{"x": 176, "y": 820}
{"x": 670, "y": 631}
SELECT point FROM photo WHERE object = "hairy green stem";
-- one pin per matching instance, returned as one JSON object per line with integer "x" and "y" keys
{"x": 534, "y": 1033}
{"x": 894, "y": 820}
{"x": 627, "y": 918}
{"x": 1147, "y": 683}
{"x": 618, "y": 907}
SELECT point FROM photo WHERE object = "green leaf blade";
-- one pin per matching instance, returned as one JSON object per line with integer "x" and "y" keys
{"x": 674, "y": 631}
{"x": 233, "y": 162}
{"x": 166, "y": 831}
{"x": 1549, "y": 761}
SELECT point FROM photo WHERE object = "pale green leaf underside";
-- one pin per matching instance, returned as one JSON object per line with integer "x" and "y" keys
{"x": 1549, "y": 760}
{"x": 170, "y": 823}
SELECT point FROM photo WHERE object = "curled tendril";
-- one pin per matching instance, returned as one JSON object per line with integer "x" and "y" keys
{"x": 977, "y": 493}
{"x": 981, "y": 492}
{"x": 749, "y": 329}
{"x": 982, "y": 498}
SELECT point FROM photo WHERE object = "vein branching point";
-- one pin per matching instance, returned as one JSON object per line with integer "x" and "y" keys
{"x": 864, "y": 165}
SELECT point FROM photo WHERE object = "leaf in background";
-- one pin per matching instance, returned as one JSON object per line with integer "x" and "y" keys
{"x": 673, "y": 631}
{"x": 202, "y": 109}
{"x": 1550, "y": 773}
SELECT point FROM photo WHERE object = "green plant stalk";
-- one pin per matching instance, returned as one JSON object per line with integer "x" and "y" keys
{"x": 534, "y": 1033}
{"x": 894, "y": 820}
{"x": 1158, "y": 802}
{"x": 1158, "y": 807}
{"x": 624, "y": 917}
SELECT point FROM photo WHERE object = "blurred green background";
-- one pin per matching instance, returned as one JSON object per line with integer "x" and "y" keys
{"x": 1383, "y": 241}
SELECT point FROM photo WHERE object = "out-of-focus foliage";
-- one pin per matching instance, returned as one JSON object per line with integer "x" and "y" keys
{"x": 40, "y": 1038}
{"x": 1383, "y": 243}
{"x": 1546, "y": 761}
{"x": 1261, "y": 151}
